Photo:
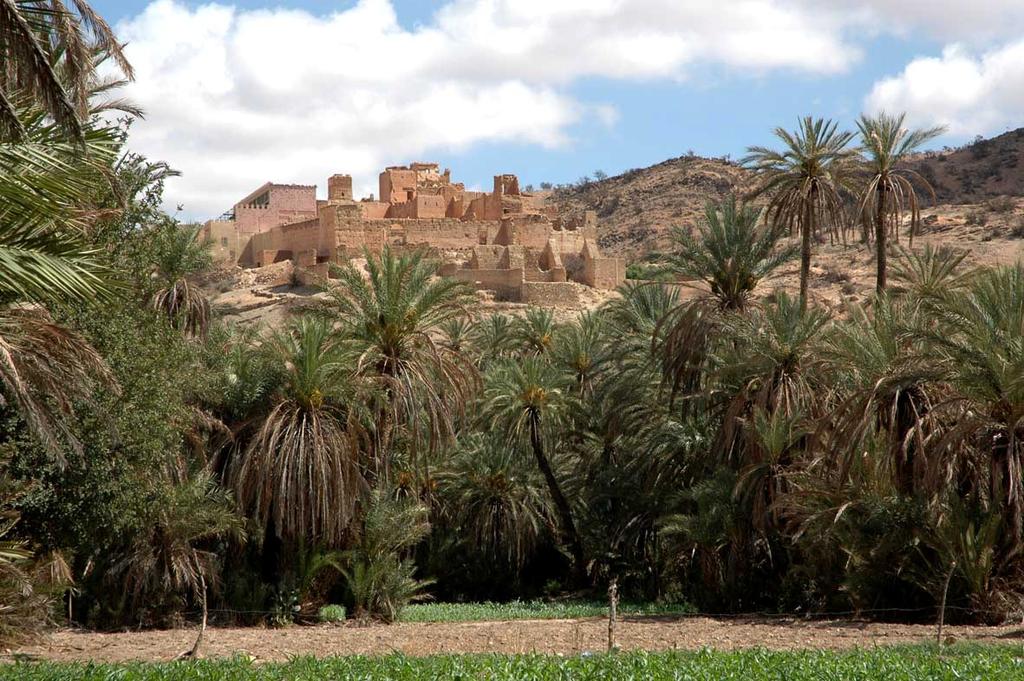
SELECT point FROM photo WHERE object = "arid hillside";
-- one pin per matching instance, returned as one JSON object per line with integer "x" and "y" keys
{"x": 637, "y": 209}
{"x": 982, "y": 170}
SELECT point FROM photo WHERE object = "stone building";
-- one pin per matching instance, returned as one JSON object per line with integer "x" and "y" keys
{"x": 505, "y": 240}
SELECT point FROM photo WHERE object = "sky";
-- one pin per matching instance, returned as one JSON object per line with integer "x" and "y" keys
{"x": 240, "y": 92}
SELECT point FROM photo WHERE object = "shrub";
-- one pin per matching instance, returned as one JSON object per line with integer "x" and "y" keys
{"x": 976, "y": 218}
{"x": 1001, "y": 204}
{"x": 331, "y": 613}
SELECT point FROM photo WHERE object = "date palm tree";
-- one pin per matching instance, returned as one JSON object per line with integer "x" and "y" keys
{"x": 728, "y": 256}
{"x": 181, "y": 254}
{"x": 46, "y": 185}
{"x": 730, "y": 253}
{"x": 393, "y": 320}
{"x": 805, "y": 182}
{"x": 889, "y": 191}
{"x": 529, "y": 400}
{"x": 299, "y": 471}
{"x": 48, "y": 48}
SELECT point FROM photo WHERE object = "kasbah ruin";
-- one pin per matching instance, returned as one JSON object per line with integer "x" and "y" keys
{"x": 507, "y": 241}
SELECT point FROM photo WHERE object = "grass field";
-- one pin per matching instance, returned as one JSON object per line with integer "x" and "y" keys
{"x": 529, "y": 610}
{"x": 891, "y": 664}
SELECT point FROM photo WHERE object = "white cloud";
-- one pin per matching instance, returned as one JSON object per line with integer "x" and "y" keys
{"x": 238, "y": 97}
{"x": 970, "y": 93}
{"x": 975, "y": 21}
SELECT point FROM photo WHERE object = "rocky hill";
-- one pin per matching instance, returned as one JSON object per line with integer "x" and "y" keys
{"x": 636, "y": 209}
{"x": 982, "y": 170}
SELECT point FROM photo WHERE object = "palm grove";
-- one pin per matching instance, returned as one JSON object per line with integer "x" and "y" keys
{"x": 739, "y": 450}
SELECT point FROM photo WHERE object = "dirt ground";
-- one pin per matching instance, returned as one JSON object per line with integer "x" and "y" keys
{"x": 542, "y": 636}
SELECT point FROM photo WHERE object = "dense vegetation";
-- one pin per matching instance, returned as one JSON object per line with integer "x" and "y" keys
{"x": 990, "y": 663}
{"x": 739, "y": 450}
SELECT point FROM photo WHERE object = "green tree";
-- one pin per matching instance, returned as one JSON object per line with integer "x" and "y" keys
{"x": 889, "y": 192}
{"x": 181, "y": 254}
{"x": 527, "y": 398}
{"x": 730, "y": 253}
{"x": 49, "y": 54}
{"x": 391, "y": 319}
{"x": 805, "y": 183}
{"x": 299, "y": 471}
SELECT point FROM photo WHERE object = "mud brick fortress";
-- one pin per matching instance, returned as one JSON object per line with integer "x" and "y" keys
{"x": 506, "y": 241}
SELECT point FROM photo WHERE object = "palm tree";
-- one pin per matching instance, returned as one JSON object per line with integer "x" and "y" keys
{"x": 181, "y": 254}
{"x": 889, "y": 190}
{"x": 392, "y": 321}
{"x": 497, "y": 498}
{"x": 581, "y": 348}
{"x": 46, "y": 184}
{"x": 48, "y": 50}
{"x": 527, "y": 398}
{"x": 299, "y": 471}
{"x": 493, "y": 338}
{"x": 730, "y": 254}
{"x": 883, "y": 377}
{"x": 165, "y": 558}
{"x": 930, "y": 273}
{"x": 772, "y": 364}
{"x": 976, "y": 433}
{"x": 536, "y": 331}
{"x": 805, "y": 183}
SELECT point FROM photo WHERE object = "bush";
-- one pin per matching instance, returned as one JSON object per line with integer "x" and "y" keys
{"x": 976, "y": 218}
{"x": 1001, "y": 204}
{"x": 331, "y": 613}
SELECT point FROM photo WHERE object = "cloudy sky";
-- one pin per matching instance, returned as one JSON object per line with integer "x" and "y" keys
{"x": 238, "y": 92}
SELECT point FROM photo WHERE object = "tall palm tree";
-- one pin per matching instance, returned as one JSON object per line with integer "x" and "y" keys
{"x": 528, "y": 399}
{"x": 805, "y": 183}
{"x": 299, "y": 470}
{"x": 48, "y": 50}
{"x": 393, "y": 321}
{"x": 889, "y": 191}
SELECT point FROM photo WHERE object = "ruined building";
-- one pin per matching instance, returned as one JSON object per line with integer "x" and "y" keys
{"x": 505, "y": 240}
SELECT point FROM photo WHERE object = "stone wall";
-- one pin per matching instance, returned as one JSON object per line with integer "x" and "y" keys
{"x": 603, "y": 273}
{"x": 550, "y": 293}
{"x": 224, "y": 241}
{"x": 291, "y": 239}
{"x": 507, "y": 284}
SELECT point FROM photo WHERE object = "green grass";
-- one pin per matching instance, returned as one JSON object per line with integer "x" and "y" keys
{"x": 528, "y": 610}
{"x": 890, "y": 664}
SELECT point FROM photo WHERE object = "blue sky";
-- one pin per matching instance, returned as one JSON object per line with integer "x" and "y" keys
{"x": 625, "y": 85}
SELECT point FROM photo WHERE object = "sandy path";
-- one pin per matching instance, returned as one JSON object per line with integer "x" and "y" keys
{"x": 543, "y": 636}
